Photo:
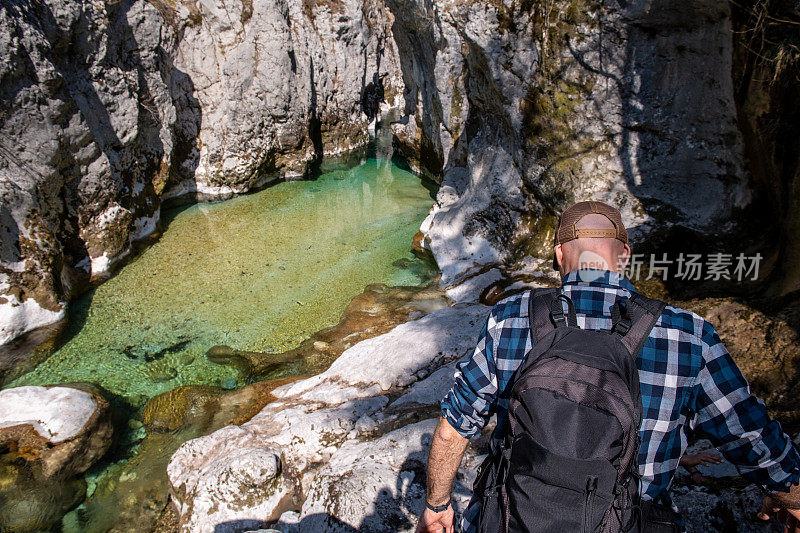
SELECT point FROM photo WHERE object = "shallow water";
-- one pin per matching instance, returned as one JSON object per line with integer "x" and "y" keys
{"x": 257, "y": 272}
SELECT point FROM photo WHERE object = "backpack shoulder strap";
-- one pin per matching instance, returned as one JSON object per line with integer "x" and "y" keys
{"x": 633, "y": 318}
{"x": 539, "y": 312}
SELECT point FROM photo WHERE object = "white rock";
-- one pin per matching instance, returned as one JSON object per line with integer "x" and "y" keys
{"x": 18, "y": 317}
{"x": 56, "y": 413}
{"x": 444, "y": 335}
{"x": 429, "y": 391}
{"x": 379, "y": 485}
{"x": 233, "y": 478}
{"x": 469, "y": 290}
{"x": 361, "y": 486}
{"x": 316, "y": 416}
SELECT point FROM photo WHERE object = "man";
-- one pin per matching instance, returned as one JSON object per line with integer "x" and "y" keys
{"x": 686, "y": 377}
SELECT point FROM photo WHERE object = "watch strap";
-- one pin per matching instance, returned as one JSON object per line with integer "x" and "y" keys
{"x": 438, "y": 508}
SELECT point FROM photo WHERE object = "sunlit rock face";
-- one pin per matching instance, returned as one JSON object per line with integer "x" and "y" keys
{"x": 48, "y": 436}
{"x": 522, "y": 108}
{"x": 516, "y": 108}
{"x": 111, "y": 108}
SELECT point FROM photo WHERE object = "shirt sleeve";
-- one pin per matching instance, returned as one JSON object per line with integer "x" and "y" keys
{"x": 737, "y": 422}
{"x": 471, "y": 401}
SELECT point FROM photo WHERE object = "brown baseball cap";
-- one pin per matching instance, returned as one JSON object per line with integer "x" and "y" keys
{"x": 566, "y": 230}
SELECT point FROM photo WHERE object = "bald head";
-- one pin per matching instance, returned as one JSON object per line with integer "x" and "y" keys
{"x": 605, "y": 253}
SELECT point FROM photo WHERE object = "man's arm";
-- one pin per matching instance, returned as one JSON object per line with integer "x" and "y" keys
{"x": 447, "y": 449}
{"x": 465, "y": 410}
{"x": 738, "y": 425}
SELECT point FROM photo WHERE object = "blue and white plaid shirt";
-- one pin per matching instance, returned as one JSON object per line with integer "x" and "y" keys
{"x": 686, "y": 375}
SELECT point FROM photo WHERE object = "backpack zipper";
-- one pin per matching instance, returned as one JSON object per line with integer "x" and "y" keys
{"x": 591, "y": 487}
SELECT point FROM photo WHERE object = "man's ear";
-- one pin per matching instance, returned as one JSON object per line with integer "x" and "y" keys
{"x": 624, "y": 257}
{"x": 559, "y": 257}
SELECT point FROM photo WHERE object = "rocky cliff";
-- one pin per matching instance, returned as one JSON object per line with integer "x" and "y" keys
{"x": 111, "y": 110}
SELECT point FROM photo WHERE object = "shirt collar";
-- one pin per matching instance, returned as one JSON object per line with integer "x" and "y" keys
{"x": 596, "y": 277}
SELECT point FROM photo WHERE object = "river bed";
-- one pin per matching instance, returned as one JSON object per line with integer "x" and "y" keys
{"x": 258, "y": 272}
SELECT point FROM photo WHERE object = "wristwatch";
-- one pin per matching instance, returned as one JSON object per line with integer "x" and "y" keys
{"x": 438, "y": 508}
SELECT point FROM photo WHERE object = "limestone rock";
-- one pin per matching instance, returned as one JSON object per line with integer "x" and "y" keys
{"x": 428, "y": 391}
{"x": 314, "y": 418}
{"x": 48, "y": 435}
{"x": 514, "y": 110}
{"x": 245, "y": 481}
{"x": 138, "y": 488}
{"x": 441, "y": 336}
{"x": 61, "y": 430}
{"x": 111, "y": 109}
{"x": 522, "y": 109}
{"x": 379, "y": 485}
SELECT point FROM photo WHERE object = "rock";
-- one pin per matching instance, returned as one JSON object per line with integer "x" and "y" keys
{"x": 726, "y": 509}
{"x": 210, "y": 486}
{"x": 321, "y": 345}
{"x": 428, "y": 391}
{"x": 61, "y": 431}
{"x": 314, "y": 417}
{"x": 204, "y": 408}
{"x": 289, "y": 522}
{"x": 228, "y": 384}
{"x": 469, "y": 290}
{"x": 373, "y": 312}
{"x": 356, "y": 459}
{"x": 162, "y": 104}
{"x": 138, "y": 489}
{"x": 169, "y": 103}
{"x": 519, "y": 114}
{"x": 36, "y": 506}
{"x": 379, "y": 485}
{"x": 373, "y": 486}
{"x": 48, "y": 435}
{"x": 442, "y": 336}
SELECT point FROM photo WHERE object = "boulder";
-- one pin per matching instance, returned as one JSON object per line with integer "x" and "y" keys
{"x": 62, "y": 431}
{"x": 48, "y": 436}
{"x": 228, "y": 479}
{"x": 138, "y": 488}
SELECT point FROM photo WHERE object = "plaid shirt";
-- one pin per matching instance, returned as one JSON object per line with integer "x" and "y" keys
{"x": 686, "y": 375}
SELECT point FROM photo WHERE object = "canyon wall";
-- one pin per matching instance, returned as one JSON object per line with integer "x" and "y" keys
{"x": 525, "y": 107}
{"x": 112, "y": 110}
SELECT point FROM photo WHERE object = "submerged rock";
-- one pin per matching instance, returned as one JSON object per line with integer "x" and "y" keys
{"x": 373, "y": 312}
{"x": 36, "y": 506}
{"x": 137, "y": 488}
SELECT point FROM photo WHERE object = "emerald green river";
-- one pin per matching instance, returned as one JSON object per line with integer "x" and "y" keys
{"x": 258, "y": 272}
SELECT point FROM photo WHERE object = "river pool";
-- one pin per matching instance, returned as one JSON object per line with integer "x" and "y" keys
{"x": 258, "y": 272}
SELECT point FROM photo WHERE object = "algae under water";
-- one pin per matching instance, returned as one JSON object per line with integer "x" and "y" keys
{"x": 258, "y": 272}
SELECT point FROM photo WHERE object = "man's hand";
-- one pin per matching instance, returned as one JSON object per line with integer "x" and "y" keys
{"x": 447, "y": 448}
{"x": 702, "y": 458}
{"x": 784, "y": 507}
{"x": 431, "y": 522}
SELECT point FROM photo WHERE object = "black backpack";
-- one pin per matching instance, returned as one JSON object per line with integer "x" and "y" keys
{"x": 568, "y": 460}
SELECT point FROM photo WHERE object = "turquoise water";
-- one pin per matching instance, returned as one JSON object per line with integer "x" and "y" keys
{"x": 258, "y": 272}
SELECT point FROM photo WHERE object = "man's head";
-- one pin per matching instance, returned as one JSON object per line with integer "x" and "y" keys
{"x": 591, "y": 235}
